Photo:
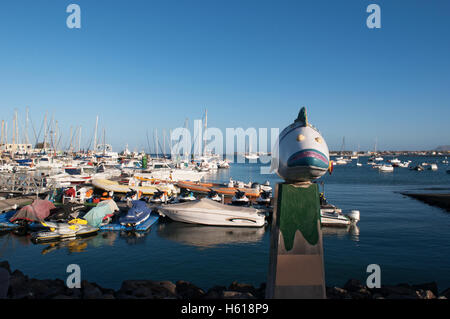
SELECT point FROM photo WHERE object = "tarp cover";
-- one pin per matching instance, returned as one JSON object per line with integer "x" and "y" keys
{"x": 138, "y": 212}
{"x": 36, "y": 212}
{"x": 95, "y": 216}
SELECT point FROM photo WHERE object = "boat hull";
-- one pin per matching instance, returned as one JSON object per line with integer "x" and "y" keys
{"x": 214, "y": 215}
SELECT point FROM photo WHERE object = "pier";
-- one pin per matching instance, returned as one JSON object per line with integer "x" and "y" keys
{"x": 22, "y": 184}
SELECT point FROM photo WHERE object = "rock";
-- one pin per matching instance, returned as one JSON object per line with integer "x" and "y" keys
{"x": 237, "y": 295}
{"x": 74, "y": 293}
{"x": 353, "y": 285}
{"x": 215, "y": 292}
{"x": 148, "y": 289}
{"x": 362, "y": 293}
{"x": 426, "y": 294}
{"x": 187, "y": 290}
{"x": 4, "y": 264}
{"x": 446, "y": 293}
{"x": 432, "y": 286}
{"x": 18, "y": 286}
{"x": 261, "y": 291}
{"x": 108, "y": 296}
{"x": 397, "y": 290}
{"x": 337, "y": 293}
{"x": 90, "y": 291}
{"x": 62, "y": 297}
{"x": 396, "y": 296}
{"x": 4, "y": 283}
{"x": 241, "y": 287}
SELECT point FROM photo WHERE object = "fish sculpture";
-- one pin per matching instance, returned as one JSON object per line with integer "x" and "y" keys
{"x": 301, "y": 153}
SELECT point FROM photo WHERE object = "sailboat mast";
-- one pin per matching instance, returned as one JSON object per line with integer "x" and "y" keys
{"x": 3, "y": 132}
{"x": 79, "y": 141}
{"x": 95, "y": 134}
{"x": 156, "y": 142}
{"x": 26, "y": 128}
{"x": 204, "y": 133}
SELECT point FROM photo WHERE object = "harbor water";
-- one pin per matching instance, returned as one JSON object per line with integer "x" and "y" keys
{"x": 408, "y": 239}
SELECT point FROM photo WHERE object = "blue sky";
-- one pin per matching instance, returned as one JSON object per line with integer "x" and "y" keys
{"x": 142, "y": 65}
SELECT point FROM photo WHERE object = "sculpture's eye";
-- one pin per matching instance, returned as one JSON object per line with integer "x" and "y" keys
{"x": 318, "y": 139}
{"x": 300, "y": 137}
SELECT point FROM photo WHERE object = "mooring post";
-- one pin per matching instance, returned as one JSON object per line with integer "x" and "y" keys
{"x": 296, "y": 268}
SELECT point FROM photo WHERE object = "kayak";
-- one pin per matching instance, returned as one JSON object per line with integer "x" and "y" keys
{"x": 113, "y": 186}
{"x": 219, "y": 188}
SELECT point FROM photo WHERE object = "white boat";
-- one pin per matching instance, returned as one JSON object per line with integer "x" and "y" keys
{"x": 252, "y": 156}
{"x": 340, "y": 162}
{"x": 208, "y": 212}
{"x": 433, "y": 167}
{"x": 335, "y": 218}
{"x": 395, "y": 161}
{"x": 386, "y": 168}
{"x": 378, "y": 158}
{"x": 303, "y": 154}
{"x": 404, "y": 164}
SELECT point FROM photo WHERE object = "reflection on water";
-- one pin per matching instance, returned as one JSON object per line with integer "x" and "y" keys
{"x": 79, "y": 245}
{"x": 134, "y": 238}
{"x": 73, "y": 246}
{"x": 208, "y": 236}
{"x": 351, "y": 231}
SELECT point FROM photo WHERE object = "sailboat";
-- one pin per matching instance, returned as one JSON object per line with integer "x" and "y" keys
{"x": 357, "y": 158}
{"x": 250, "y": 155}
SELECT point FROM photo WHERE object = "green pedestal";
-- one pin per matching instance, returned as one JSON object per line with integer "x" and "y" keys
{"x": 296, "y": 268}
{"x": 144, "y": 162}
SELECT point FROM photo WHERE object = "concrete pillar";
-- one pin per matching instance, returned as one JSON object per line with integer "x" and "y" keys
{"x": 296, "y": 269}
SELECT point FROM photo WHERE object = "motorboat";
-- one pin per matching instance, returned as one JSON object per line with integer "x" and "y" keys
{"x": 251, "y": 156}
{"x": 433, "y": 167}
{"x": 331, "y": 215}
{"x": 404, "y": 164}
{"x": 208, "y": 212}
{"x": 386, "y": 168}
{"x": 302, "y": 152}
{"x": 395, "y": 161}
{"x": 239, "y": 199}
{"x": 418, "y": 168}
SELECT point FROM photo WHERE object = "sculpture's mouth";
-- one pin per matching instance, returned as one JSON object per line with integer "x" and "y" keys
{"x": 308, "y": 157}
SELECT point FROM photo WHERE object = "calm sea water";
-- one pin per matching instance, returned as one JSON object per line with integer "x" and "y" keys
{"x": 410, "y": 240}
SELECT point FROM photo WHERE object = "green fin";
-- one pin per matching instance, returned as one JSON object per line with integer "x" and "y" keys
{"x": 302, "y": 117}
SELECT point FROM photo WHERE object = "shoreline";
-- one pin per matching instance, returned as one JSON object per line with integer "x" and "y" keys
{"x": 20, "y": 286}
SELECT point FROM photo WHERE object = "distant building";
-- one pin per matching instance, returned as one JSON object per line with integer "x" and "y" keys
{"x": 21, "y": 148}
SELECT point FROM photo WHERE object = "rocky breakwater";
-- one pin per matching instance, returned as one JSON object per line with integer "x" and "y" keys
{"x": 16, "y": 285}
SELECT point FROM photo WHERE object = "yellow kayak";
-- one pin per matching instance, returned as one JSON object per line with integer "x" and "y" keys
{"x": 146, "y": 189}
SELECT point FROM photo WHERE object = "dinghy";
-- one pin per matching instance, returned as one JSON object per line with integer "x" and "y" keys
{"x": 208, "y": 212}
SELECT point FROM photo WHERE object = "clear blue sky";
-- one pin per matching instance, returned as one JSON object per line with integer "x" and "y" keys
{"x": 148, "y": 64}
